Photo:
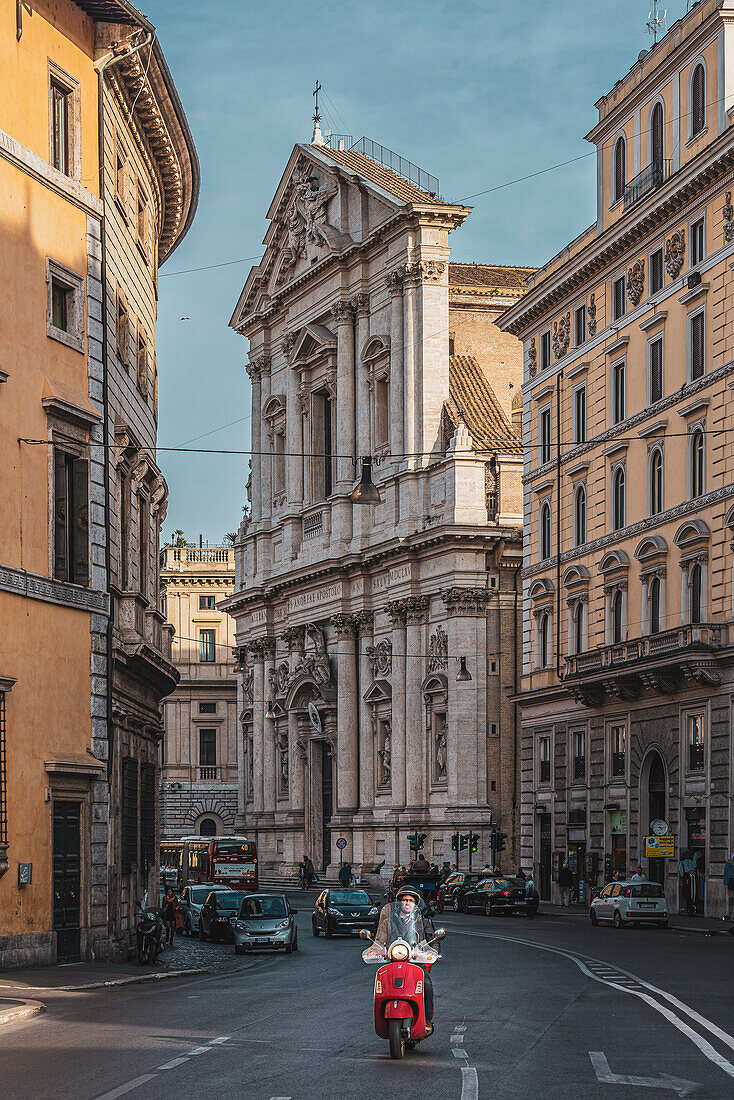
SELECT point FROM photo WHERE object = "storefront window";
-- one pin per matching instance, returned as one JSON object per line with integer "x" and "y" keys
{"x": 696, "y": 743}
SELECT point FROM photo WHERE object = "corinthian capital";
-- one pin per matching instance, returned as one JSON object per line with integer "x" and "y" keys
{"x": 361, "y": 304}
{"x": 287, "y": 342}
{"x": 257, "y": 366}
{"x": 466, "y": 601}
{"x": 344, "y": 625}
{"x": 411, "y": 609}
{"x": 394, "y": 281}
{"x": 343, "y": 311}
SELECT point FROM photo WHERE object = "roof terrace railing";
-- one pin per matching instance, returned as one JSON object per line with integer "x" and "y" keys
{"x": 397, "y": 164}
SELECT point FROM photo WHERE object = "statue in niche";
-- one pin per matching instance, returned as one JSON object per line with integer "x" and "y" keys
{"x": 385, "y": 754}
{"x": 283, "y": 755}
{"x": 441, "y": 760}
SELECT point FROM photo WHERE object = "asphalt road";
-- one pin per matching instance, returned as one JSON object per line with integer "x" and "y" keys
{"x": 550, "y": 1008}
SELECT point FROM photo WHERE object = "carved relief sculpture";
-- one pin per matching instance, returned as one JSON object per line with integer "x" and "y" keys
{"x": 315, "y": 661}
{"x": 441, "y": 759}
{"x": 385, "y": 754}
{"x": 561, "y": 335}
{"x": 380, "y": 656}
{"x": 532, "y": 359}
{"x": 675, "y": 251}
{"x": 438, "y": 651}
{"x": 305, "y": 220}
{"x": 247, "y": 686}
{"x": 636, "y": 281}
{"x": 728, "y": 213}
{"x": 283, "y": 761}
{"x": 591, "y": 316}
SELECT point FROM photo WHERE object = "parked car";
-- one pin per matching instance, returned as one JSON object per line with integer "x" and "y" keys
{"x": 344, "y": 912}
{"x": 265, "y": 921}
{"x": 219, "y": 912}
{"x": 625, "y": 903}
{"x": 494, "y": 895}
{"x": 191, "y": 900}
{"x": 451, "y": 887}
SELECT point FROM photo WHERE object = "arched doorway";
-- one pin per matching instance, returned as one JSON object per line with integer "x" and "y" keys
{"x": 653, "y": 800}
{"x": 207, "y": 827}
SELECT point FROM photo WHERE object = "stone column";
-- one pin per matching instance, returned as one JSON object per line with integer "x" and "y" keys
{"x": 362, "y": 310}
{"x": 570, "y": 632}
{"x": 395, "y": 287}
{"x": 685, "y": 593}
{"x": 466, "y": 752}
{"x": 396, "y": 611}
{"x": 411, "y": 391}
{"x": 344, "y": 435}
{"x": 365, "y": 621}
{"x": 257, "y": 651}
{"x": 415, "y": 735}
{"x": 253, "y": 371}
{"x": 608, "y": 616}
{"x": 645, "y": 607}
{"x": 295, "y": 763}
{"x": 266, "y": 443}
{"x": 270, "y": 775}
{"x": 347, "y": 762}
{"x": 241, "y": 753}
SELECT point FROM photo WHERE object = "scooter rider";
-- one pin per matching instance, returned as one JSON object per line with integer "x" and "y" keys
{"x": 403, "y": 920}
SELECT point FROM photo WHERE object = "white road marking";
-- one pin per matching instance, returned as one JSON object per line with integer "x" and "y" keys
{"x": 128, "y": 1087}
{"x": 605, "y": 1076}
{"x": 469, "y": 1083}
{"x": 456, "y": 1039}
{"x": 173, "y": 1063}
{"x": 221, "y": 1039}
{"x": 459, "y": 1052}
{"x": 198, "y": 1050}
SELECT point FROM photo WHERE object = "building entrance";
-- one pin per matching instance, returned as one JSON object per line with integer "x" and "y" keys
{"x": 67, "y": 880}
{"x": 544, "y": 886}
{"x": 657, "y": 809}
{"x": 327, "y": 802}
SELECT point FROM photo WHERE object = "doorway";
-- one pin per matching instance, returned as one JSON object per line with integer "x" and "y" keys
{"x": 67, "y": 880}
{"x": 656, "y": 791}
{"x": 545, "y": 856}
{"x": 327, "y": 802}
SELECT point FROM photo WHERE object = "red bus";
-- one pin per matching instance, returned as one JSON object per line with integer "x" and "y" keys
{"x": 224, "y": 860}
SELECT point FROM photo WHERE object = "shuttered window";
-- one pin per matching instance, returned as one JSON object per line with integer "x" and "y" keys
{"x": 697, "y": 337}
{"x": 698, "y": 101}
{"x": 657, "y": 135}
{"x": 620, "y": 174}
{"x": 656, "y": 370}
{"x": 696, "y": 594}
{"x": 71, "y": 518}
{"x": 129, "y": 813}
{"x": 657, "y": 278}
{"x": 147, "y": 813}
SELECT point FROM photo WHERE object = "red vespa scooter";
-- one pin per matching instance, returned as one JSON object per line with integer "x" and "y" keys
{"x": 399, "y": 995}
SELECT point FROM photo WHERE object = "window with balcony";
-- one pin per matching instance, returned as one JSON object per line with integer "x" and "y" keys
{"x": 696, "y": 345}
{"x": 696, "y": 743}
{"x": 544, "y": 761}
{"x": 619, "y": 392}
{"x": 655, "y": 369}
{"x": 579, "y": 516}
{"x": 206, "y": 603}
{"x": 617, "y": 616}
{"x": 71, "y": 518}
{"x": 619, "y": 304}
{"x": 545, "y": 350}
{"x": 697, "y": 462}
{"x": 620, "y": 169}
{"x": 697, "y": 242}
{"x": 657, "y": 271}
{"x": 207, "y": 748}
{"x": 545, "y": 530}
{"x": 579, "y": 325}
{"x": 544, "y": 436}
{"x": 618, "y": 749}
{"x": 579, "y": 755}
{"x": 698, "y": 101}
{"x": 695, "y": 584}
{"x": 619, "y": 498}
{"x": 207, "y": 646}
{"x": 655, "y": 490}
{"x": 579, "y": 414}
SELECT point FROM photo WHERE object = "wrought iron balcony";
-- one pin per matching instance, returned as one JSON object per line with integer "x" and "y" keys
{"x": 657, "y": 661}
{"x": 645, "y": 181}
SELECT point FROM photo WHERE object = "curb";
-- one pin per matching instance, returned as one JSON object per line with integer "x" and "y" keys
{"x": 18, "y": 1010}
{"x": 133, "y": 980}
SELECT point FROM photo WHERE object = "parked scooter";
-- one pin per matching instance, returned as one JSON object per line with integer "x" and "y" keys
{"x": 149, "y": 932}
{"x": 399, "y": 989}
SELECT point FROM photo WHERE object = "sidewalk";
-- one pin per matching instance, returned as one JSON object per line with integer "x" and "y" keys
{"x": 679, "y": 922}
{"x": 79, "y": 976}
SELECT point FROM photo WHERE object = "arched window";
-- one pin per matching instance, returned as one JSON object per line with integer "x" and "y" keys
{"x": 698, "y": 464}
{"x": 656, "y": 140}
{"x": 208, "y": 827}
{"x": 619, "y": 499}
{"x": 578, "y": 627}
{"x": 543, "y": 638}
{"x": 579, "y": 516}
{"x": 545, "y": 531}
{"x": 617, "y": 616}
{"x": 656, "y": 482}
{"x": 695, "y": 593}
{"x": 698, "y": 101}
{"x": 655, "y": 605}
{"x": 620, "y": 171}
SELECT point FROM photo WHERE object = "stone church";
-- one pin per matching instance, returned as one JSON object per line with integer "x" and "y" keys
{"x": 354, "y": 620}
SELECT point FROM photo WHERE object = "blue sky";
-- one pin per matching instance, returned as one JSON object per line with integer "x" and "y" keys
{"x": 477, "y": 93}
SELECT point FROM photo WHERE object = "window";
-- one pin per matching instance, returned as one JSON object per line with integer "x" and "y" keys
{"x": 206, "y": 603}
{"x": 620, "y": 171}
{"x": 65, "y": 308}
{"x": 207, "y": 748}
{"x": 60, "y": 111}
{"x": 122, "y": 177}
{"x": 698, "y": 242}
{"x": 544, "y": 759}
{"x": 543, "y": 639}
{"x": 381, "y": 391}
{"x": 618, "y": 297}
{"x": 322, "y": 446}
{"x": 545, "y": 436}
{"x": 579, "y": 415}
{"x": 579, "y": 325}
{"x": 579, "y": 755}
{"x": 698, "y": 101}
{"x": 208, "y": 827}
{"x": 619, "y": 498}
{"x": 545, "y": 350}
{"x": 696, "y": 742}
{"x": 656, "y": 482}
{"x": 696, "y": 345}
{"x": 141, "y": 361}
{"x": 656, "y": 138}
{"x": 545, "y": 530}
{"x": 71, "y": 518}
{"x": 129, "y": 814}
{"x": 123, "y": 329}
{"x": 619, "y": 396}
{"x": 619, "y": 743}
{"x": 147, "y": 814}
{"x": 143, "y": 544}
{"x": 698, "y": 463}
{"x": 579, "y": 516}
{"x": 657, "y": 271}
{"x": 60, "y": 305}
{"x": 617, "y": 616}
{"x": 694, "y": 582}
{"x": 578, "y": 628}
{"x": 655, "y": 605}
{"x": 207, "y": 646}
{"x": 207, "y": 708}
{"x": 279, "y": 463}
{"x": 655, "y": 369}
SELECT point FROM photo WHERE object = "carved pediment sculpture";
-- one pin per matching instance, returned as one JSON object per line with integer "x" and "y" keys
{"x": 636, "y": 281}
{"x": 380, "y": 656}
{"x": 561, "y": 335}
{"x": 306, "y": 225}
{"x": 438, "y": 651}
{"x": 675, "y": 251}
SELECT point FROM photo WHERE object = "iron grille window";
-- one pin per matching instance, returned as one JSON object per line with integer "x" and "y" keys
{"x": 657, "y": 277}
{"x": 147, "y": 813}
{"x": 129, "y": 813}
{"x": 656, "y": 369}
{"x": 3, "y": 776}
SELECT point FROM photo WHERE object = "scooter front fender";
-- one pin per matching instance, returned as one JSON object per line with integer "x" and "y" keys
{"x": 398, "y": 1010}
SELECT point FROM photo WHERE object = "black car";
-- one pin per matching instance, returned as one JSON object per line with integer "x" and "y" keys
{"x": 218, "y": 914}
{"x": 450, "y": 889}
{"x": 494, "y": 895}
{"x": 344, "y": 912}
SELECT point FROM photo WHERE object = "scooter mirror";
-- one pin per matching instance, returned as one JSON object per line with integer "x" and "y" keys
{"x": 440, "y": 934}
{"x": 364, "y": 933}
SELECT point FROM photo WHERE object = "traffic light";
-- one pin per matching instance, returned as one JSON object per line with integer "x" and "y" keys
{"x": 474, "y": 841}
{"x": 464, "y": 841}
{"x": 454, "y": 842}
{"x": 421, "y": 840}
{"x": 500, "y": 839}
{"x": 416, "y": 841}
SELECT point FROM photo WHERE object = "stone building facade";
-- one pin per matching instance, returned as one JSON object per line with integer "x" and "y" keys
{"x": 629, "y": 494}
{"x": 198, "y": 791}
{"x": 351, "y": 619}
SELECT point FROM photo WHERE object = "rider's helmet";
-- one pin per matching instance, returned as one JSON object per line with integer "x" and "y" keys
{"x": 409, "y": 892}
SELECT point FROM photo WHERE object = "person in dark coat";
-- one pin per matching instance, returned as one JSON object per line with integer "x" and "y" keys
{"x": 308, "y": 870}
{"x": 565, "y": 884}
{"x": 345, "y": 875}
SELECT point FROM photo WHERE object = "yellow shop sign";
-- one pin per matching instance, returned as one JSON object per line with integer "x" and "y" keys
{"x": 659, "y": 847}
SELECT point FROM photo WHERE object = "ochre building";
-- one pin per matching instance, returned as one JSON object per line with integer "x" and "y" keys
{"x": 629, "y": 494}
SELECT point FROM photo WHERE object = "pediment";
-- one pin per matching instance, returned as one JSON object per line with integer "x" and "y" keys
{"x": 312, "y": 340}
{"x": 378, "y": 692}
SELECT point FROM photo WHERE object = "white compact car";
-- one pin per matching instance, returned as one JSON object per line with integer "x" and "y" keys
{"x": 625, "y": 903}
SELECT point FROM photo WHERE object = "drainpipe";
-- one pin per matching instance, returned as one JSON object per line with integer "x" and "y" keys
{"x": 559, "y": 378}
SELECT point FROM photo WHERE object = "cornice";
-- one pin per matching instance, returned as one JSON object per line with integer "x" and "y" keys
{"x": 21, "y": 583}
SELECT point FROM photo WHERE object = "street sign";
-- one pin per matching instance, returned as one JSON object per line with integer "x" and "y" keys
{"x": 341, "y": 843}
{"x": 315, "y": 717}
{"x": 659, "y": 847}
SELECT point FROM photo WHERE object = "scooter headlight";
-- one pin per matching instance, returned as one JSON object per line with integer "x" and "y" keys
{"x": 399, "y": 951}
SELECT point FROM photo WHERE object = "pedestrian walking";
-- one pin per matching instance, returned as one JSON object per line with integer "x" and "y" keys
{"x": 301, "y": 876}
{"x": 531, "y": 893}
{"x": 638, "y": 876}
{"x": 521, "y": 875}
{"x": 565, "y": 884}
{"x": 486, "y": 870}
{"x": 445, "y": 869}
{"x": 345, "y": 875}
{"x": 171, "y": 914}
{"x": 308, "y": 870}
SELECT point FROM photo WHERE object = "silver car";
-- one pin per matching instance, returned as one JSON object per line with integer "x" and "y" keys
{"x": 625, "y": 903}
{"x": 192, "y": 899}
{"x": 265, "y": 921}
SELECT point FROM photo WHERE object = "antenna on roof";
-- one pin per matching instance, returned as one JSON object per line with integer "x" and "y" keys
{"x": 656, "y": 22}
{"x": 318, "y": 137}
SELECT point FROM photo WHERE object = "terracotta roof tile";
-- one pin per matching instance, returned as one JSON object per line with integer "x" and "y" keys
{"x": 472, "y": 399}
{"x": 384, "y": 177}
{"x": 490, "y": 275}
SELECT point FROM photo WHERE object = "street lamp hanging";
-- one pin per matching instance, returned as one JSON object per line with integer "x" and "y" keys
{"x": 463, "y": 675}
{"x": 366, "y": 492}
{"x": 270, "y": 713}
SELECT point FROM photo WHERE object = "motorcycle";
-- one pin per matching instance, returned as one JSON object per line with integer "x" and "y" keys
{"x": 149, "y": 932}
{"x": 399, "y": 1006}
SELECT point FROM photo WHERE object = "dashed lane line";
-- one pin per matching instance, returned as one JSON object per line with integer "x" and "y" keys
{"x": 174, "y": 1062}
{"x": 469, "y": 1077}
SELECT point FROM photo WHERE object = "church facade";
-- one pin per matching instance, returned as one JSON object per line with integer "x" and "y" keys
{"x": 353, "y": 620}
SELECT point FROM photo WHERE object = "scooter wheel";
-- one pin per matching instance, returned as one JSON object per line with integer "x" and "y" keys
{"x": 397, "y": 1042}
